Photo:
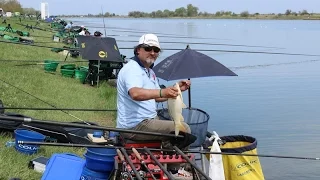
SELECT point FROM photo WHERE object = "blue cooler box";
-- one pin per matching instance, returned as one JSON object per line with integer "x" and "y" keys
{"x": 64, "y": 167}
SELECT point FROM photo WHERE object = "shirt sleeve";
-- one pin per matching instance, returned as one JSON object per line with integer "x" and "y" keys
{"x": 133, "y": 78}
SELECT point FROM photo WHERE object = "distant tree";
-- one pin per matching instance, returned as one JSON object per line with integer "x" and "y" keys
{"x": 288, "y": 12}
{"x": 181, "y": 12}
{"x": 30, "y": 11}
{"x": 11, "y": 6}
{"x": 218, "y": 13}
{"x": 256, "y": 14}
{"x": 244, "y": 14}
{"x": 228, "y": 13}
{"x": 294, "y": 13}
{"x": 192, "y": 10}
{"x": 304, "y": 12}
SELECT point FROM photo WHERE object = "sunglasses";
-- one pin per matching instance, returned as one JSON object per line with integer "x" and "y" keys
{"x": 150, "y": 48}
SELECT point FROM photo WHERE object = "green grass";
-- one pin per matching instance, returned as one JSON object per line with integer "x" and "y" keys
{"x": 20, "y": 86}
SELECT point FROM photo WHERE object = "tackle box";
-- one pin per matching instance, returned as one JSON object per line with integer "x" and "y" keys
{"x": 64, "y": 167}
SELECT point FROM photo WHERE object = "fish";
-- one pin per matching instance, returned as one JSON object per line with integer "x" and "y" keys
{"x": 175, "y": 106}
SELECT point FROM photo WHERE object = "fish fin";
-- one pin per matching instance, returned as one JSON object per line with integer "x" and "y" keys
{"x": 179, "y": 127}
{"x": 181, "y": 117}
{"x": 181, "y": 97}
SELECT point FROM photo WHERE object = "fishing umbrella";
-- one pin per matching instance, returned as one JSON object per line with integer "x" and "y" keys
{"x": 103, "y": 49}
{"x": 188, "y": 64}
{"x": 100, "y": 49}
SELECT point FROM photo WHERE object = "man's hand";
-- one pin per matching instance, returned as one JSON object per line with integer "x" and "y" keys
{"x": 184, "y": 85}
{"x": 169, "y": 92}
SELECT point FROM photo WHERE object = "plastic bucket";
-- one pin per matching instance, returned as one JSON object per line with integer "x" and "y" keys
{"x": 67, "y": 72}
{"x": 27, "y": 135}
{"x": 50, "y": 65}
{"x": 68, "y": 66}
{"x": 106, "y": 154}
{"x": 100, "y": 159}
{"x": 81, "y": 75}
{"x": 100, "y": 165}
{"x": 88, "y": 174}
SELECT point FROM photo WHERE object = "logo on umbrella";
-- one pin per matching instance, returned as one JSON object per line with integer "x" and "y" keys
{"x": 103, "y": 54}
{"x": 83, "y": 45}
{"x": 115, "y": 47}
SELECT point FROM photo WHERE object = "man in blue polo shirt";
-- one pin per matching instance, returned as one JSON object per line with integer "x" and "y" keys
{"x": 138, "y": 92}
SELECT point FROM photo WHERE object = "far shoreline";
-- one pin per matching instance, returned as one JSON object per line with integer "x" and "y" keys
{"x": 213, "y": 18}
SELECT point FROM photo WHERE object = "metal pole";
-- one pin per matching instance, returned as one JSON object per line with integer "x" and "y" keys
{"x": 57, "y": 109}
{"x": 98, "y": 73}
{"x": 192, "y": 164}
{"x": 143, "y": 163}
{"x": 130, "y": 163}
{"x": 124, "y": 163}
{"x": 158, "y": 163}
{"x": 167, "y": 150}
{"x": 30, "y": 120}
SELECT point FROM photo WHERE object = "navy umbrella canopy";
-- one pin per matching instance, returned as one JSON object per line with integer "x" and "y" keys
{"x": 188, "y": 64}
{"x": 103, "y": 49}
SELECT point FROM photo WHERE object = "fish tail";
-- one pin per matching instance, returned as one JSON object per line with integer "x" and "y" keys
{"x": 179, "y": 127}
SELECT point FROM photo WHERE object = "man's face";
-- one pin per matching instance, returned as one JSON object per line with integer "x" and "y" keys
{"x": 148, "y": 54}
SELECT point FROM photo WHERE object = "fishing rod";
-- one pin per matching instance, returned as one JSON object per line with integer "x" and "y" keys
{"x": 214, "y": 44}
{"x": 44, "y": 102}
{"x": 172, "y": 49}
{"x": 169, "y": 37}
{"x": 267, "y": 65}
{"x": 40, "y": 42}
{"x": 40, "y": 36}
{"x": 141, "y": 31}
{"x": 194, "y": 43}
{"x": 126, "y": 156}
{"x": 190, "y": 162}
{"x": 143, "y": 163}
{"x": 104, "y": 25}
{"x": 124, "y": 165}
{"x": 4, "y": 60}
{"x": 27, "y": 44}
{"x": 65, "y": 124}
{"x": 235, "y": 51}
{"x": 168, "y": 150}
{"x": 158, "y": 163}
{"x": 32, "y": 27}
{"x": 57, "y": 109}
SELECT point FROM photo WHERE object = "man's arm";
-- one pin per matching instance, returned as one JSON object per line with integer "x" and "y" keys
{"x": 161, "y": 99}
{"x": 141, "y": 94}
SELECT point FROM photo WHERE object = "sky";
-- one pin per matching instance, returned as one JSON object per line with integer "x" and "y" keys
{"x": 122, "y": 7}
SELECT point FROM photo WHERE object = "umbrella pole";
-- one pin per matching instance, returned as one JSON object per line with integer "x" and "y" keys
{"x": 98, "y": 73}
{"x": 189, "y": 95}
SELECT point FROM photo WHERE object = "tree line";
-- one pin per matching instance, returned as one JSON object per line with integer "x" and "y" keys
{"x": 15, "y": 6}
{"x": 188, "y": 11}
{"x": 193, "y": 11}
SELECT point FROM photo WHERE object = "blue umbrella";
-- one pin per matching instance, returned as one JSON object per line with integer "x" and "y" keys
{"x": 188, "y": 64}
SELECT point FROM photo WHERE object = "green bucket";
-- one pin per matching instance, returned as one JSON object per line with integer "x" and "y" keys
{"x": 81, "y": 75}
{"x": 69, "y": 66}
{"x": 67, "y": 72}
{"x": 84, "y": 68}
{"x": 50, "y": 65}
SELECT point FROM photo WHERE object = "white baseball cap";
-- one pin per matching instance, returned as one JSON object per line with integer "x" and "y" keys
{"x": 149, "y": 39}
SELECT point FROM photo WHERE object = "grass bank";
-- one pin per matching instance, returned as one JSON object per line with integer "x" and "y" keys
{"x": 23, "y": 86}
